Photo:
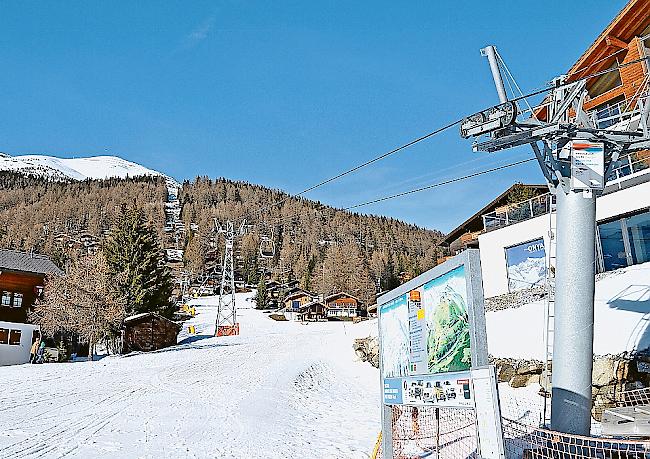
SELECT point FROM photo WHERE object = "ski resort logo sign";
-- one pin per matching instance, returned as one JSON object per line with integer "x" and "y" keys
{"x": 432, "y": 332}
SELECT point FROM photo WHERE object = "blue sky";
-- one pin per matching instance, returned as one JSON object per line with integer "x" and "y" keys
{"x": 283, "y": 93}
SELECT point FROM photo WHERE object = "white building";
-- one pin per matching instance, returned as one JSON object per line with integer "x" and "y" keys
{"x": 514, "y": 239}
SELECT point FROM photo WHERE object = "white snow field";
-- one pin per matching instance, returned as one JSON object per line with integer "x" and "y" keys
{"x": 621, "y": 319}
{"x": 278, "y": 390}
{"x": 93, "y": 167}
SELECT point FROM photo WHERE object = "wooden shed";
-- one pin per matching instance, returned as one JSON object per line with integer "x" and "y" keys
{"x": 148, "y": 332}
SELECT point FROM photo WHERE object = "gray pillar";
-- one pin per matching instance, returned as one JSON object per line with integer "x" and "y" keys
{"x": 490, "y": 53}
{"x": 573, "y": 337}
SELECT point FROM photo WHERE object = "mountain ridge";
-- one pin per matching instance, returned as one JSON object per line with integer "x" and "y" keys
{"x": 82, "y": 168}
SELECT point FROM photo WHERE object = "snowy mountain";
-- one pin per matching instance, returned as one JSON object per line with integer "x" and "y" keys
{"x": 529, "y": 273}
{"x": 93, "y": 167}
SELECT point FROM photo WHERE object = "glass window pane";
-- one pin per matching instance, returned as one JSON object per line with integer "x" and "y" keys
{"x": 14, "y": 338}
{"x": 18, "y": 300}
{"x": 611, "y": 241}
{"x": 6, "y": 299}
{"x": 4, "y": 336}
{"x": 638, "y": 229}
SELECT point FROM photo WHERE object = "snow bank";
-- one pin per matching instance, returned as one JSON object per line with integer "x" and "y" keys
{"x": 621, "y": 316}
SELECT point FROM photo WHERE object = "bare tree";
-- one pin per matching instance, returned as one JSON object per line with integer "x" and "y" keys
{"x": 84, "y": 302}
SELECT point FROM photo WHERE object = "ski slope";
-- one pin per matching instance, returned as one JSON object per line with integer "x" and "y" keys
{"x": 278, "y": 390}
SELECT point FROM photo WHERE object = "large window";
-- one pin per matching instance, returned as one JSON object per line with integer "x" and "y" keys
{"x": 6, "y": 299}
{"x": 638, "y": 228}
{"x": 4, "y": 336}
{"x": 625, "y": 241}
{"x": 612, "y": 245}
{"x": 14, "y": 338}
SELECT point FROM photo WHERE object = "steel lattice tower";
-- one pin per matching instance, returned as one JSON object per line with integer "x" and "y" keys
{"x": 227, "y": 324}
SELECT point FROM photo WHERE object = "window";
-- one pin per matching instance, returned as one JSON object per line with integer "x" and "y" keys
{"x": 612, "y": 244}
{"x": 638, "y": 230}
{"x": 606, "y": 82}
{"x": 610, "y": 112}
{"x": 4, "y": 336}
{"x": 18, "y": 300}
{"x": 6, "y": 299}
{"x": 14, "y": 338}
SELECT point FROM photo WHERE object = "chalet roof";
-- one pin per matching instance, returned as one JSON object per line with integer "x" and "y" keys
{"x": 143, "y": 315}
{"x": 13, "y": 260}
{"x": 310, "y": 304}
{"x": 632, "y": 21}
{"x": 298, "y": 294}
{"x": 341, "y": 294}
{"x": 475, "y": 222}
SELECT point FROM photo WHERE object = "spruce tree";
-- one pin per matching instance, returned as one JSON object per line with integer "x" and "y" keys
{"x": 261, "y": 300}
{"x": 137, "y": 266}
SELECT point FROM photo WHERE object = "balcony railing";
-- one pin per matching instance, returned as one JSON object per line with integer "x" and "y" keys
{"x": 628, "y": 165}
{"x": 540, "y": 205}
{"x": 517, "y": 212}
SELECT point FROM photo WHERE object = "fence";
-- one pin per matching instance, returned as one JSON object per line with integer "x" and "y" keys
{"x": 451, "y": 433}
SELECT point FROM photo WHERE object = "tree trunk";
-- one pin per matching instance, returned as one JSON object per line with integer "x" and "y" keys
{"x": 91, "y": 350}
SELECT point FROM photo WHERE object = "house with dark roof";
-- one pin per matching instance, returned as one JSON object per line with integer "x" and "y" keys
{"x": 22, "y": 276}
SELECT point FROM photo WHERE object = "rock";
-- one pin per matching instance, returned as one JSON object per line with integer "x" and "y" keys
{"x": 530, "y": 368}
{"x": 505, "y": 371}
{"x": 604, "y": 371}
{"x": 367, "y": 349}
{"x": 519, "y": 381}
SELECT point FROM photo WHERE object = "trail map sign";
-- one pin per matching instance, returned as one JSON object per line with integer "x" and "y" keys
{"x": 432, "y": 341}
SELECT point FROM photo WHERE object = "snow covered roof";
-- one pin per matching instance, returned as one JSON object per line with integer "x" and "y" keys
{"x": 13, "y": 260}
{"x": 142, "y": 315}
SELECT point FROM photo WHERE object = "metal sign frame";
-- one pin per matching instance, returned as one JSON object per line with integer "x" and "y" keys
{"x": 470, "y": 260}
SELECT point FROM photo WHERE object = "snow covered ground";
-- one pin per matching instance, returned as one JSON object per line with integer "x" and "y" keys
{"x": 621, "y": 319}
{"x": 280, "y": 389}
{"x": 93, "y": 167}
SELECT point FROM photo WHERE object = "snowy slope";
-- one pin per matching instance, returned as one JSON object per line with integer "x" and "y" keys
{"x": 278, "y": 390}
{"x": 621, "y": 319}
{"x": 94, "y": 167}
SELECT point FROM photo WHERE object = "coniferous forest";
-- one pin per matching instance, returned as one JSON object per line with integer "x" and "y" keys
{"x": 324, "y": 248}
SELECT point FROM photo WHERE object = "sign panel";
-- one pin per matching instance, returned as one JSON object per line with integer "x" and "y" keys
{"x": 432, "y": 338}
{"x": 526, "y": 265}
{"x": 426, "y": 331}
{"x": 587, "y": 165}
{"x": 451, "y": 390}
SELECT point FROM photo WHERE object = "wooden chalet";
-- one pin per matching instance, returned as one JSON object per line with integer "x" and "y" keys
{"x": 298, "y": 298}
{"x": 312, "y": 311}
{"x": 22, "y": 278}
{"x": 342, "y": 305}
{"x": 148, "y": 332}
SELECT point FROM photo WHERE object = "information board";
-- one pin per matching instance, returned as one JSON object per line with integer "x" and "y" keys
{"x": 587, "y": 165}
{"x": 432, "y": 338}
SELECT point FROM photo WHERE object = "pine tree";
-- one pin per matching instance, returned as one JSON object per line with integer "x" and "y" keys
{"x": 261, "y": 300}
{"x": 135, "y": 261}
